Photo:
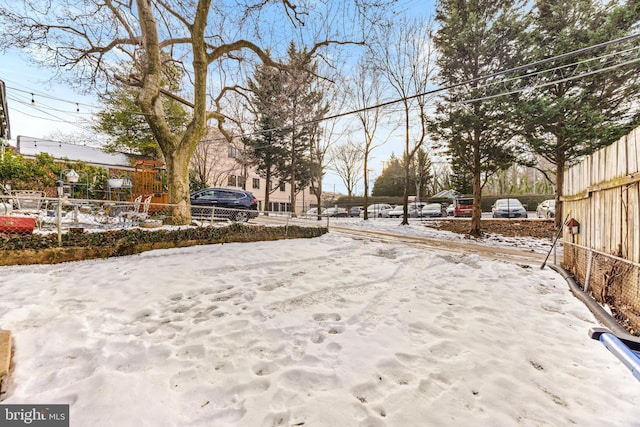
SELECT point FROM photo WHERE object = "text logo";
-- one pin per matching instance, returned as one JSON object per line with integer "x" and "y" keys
{"x": 34, "y": 415}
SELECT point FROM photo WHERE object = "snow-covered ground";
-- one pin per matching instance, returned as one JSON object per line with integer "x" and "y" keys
{"x": 329, "y": 331}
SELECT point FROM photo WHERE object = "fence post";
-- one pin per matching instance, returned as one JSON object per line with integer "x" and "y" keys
{"x": 587, "y": 278}
{"x": 60, "y": 190}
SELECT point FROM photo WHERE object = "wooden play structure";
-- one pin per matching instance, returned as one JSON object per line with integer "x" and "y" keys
{"x": 145, "y": 180}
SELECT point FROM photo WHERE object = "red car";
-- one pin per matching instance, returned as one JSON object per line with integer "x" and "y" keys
{"x": 463, "y": 206}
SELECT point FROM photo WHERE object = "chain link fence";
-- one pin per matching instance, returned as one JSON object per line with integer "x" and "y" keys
{"x": 609, "y": 279}
{"x": 32, "y": 212}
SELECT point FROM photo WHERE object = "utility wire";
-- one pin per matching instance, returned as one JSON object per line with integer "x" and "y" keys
{"x": 566, "y": 79}
{"x": 463, "y": 83}
{"x": 448, "y": 87}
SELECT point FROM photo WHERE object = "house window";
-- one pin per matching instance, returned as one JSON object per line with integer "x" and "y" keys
{"x": 283, "y": 186}
{"x": 256, "y": 183}
{"x": 241, "y": 181}
{"x": 270, "y": 185}
{"x": 231, "y": 181}
{"x": 234, "y": 152}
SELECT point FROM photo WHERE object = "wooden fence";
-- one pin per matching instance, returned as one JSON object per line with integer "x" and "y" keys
{"x": 603, "y": 194}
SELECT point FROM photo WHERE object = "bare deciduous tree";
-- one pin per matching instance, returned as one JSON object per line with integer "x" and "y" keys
{"x": 405, "y": 57}
{"x": 106, "y": 42}
{"x": 327, "y": 131}
{"x": 347, "y": 160}
{"x": 211, "y": 162}
{"x": 366, "y": 91}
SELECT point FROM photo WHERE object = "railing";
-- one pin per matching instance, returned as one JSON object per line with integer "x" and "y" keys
{"x": 61, "y": 215}
{"x": 611, "y": 280}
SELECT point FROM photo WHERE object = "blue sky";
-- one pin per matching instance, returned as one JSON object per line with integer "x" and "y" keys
{"x": 55, "y": 106}
{"x": 40, "y": 107}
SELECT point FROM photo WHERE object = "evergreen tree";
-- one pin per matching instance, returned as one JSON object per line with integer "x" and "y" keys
{"x": 304, "y": 104}
{"x": 575, "y": 117}
{"x": 123, "y": 119}
{"x": 391, "y": 179}
{"x": 461, "y": 178}
{"x": 286, "y": 103}
{"x": 267, "y": 150}
{"x": 420, "y": 174}
{"x": 475, "y": 38}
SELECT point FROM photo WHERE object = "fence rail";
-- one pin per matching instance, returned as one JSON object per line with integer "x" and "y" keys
{"x": 602, "y": 193}
{"x": 611, "y": 280}
{"x": 29, "y": 212}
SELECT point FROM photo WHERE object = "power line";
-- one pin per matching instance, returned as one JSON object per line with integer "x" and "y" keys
{"x": 479, "y": 79}
{"x": 566, "y": 79}
{"x": 437, "y": 90}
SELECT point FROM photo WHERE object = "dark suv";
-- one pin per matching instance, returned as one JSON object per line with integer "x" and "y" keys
{"x": 231, "y": 203}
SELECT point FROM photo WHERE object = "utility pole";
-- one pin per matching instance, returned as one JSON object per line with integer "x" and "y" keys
{"x": 5, "y": 133}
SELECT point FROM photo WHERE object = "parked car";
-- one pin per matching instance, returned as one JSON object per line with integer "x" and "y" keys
{"x": 450, "y": 210}
{"x": 508, "y": 208}
{"x": 378, "y": 210}
{"x": 432, "y": 210}
{"x": 231, "y": 203}
{"x": 546, "y": 209}
{"x": 355, "y": 211}
{"x": 413, "y": 210}
{"x": 337, "y": 212}
{"x": 463, "y": 206}
{"x": 314, "y": 212}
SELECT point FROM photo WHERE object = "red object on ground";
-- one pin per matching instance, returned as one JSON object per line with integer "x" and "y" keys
{"x": 17, "y": 224}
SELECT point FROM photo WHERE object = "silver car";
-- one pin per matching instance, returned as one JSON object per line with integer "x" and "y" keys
{"x": 413, "y": 211}
{"x": 508, "y": 208}
{"x": 546, "y": 209}
{"x": 433, "y": 210}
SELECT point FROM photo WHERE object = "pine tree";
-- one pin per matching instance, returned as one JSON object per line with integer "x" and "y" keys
{"x": 303, "y": 105}
{"x": 577, "y": 116}
{"x": 286, "y": 103}
{"x": 267, "y": 150}
{"x": 391, "y": 179}
{"x": 476, "y": 38}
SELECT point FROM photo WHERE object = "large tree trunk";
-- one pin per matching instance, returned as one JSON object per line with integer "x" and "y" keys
{"x": 477, "y": 189}
{"x": 267, "y": 191}
{"x": 319, "y": 199}
{"x": 292, "y": 194}
{"x": 560, "y": 161}
{"x": 177, "y": 151}
{"x": 407, "y": 164}
{"x": 178, "y": 185}
{"x": 366, "y": 185}
{"x": 405, "y": 195}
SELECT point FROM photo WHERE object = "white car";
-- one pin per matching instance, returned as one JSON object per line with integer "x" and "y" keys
{"x": 413, "y": 210}
{"x": 314, "y": 212}
{"x": 450, "y": 209}
{"x": 378, "y": 210}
